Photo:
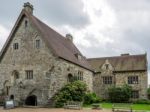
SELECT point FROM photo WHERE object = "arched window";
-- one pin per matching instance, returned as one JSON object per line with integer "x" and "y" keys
{"x": 26, "y": 23}
{"x": 6, "y": 87}
{"x": 70, "y": 78}
{"x": 15, "y": 74}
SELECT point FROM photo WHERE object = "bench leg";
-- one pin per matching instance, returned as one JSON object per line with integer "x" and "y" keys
{"x": 113, "y": 109}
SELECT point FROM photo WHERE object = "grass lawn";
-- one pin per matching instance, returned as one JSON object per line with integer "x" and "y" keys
{"x": 134, "y": 106}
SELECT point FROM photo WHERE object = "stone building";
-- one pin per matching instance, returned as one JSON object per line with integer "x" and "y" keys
{"x": 36, "y": 61}
{"x": 120, "y": 70}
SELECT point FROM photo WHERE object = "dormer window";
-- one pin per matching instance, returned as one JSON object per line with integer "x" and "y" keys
{"x": 78, "y": 56}
{"x": 16, "y": 46}
{"x": 38, "y": 44}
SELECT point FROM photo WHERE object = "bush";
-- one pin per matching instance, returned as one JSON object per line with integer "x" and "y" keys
{"x": 119, "y": 94}
{"x": 142, "y": 101}
{"x": 148, "y": 93}
{"x": 74, "y": 91}
{"x": 91, "y": 98}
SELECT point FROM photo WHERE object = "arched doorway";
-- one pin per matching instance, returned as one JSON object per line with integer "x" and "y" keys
{"x": 31, "y": 100}
{"x": 12, "y": 97}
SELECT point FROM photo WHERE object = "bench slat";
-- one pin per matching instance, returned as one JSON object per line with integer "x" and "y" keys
{"x": 122, "y": 106}
{"x": 73, "y": 105}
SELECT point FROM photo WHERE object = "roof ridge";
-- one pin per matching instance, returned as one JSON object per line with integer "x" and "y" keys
{"x": 116, "y": 56}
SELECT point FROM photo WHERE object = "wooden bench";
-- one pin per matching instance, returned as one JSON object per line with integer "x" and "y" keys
{"x": 73, "y": 105}
{"x": 122, "y": 107}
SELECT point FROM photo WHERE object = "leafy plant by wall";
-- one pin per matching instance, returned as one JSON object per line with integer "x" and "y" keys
{"x": 74, "y": 91}
{"x": 148, "y": 93}
{"x": 90, "y": 98}
{"x": 120, "y": 94}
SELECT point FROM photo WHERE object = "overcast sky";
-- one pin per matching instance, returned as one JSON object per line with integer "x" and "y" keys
{"x": 99, "y": 27}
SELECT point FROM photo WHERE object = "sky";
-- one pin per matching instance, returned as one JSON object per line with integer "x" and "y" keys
{"x": 99, "y": 27}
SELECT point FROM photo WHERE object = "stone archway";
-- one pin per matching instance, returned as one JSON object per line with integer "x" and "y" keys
{"x": 12, "y": 97}
{"x": 31, "y": 100}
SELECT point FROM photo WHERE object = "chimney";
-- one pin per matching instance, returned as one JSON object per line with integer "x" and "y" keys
{"x": 126, "y": 54}
{"x": 69, "y": 37}
{"x": 28, "y": 7}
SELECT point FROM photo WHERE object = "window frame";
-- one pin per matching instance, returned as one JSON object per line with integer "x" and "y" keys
{"x": 135, "y": 94}
{"x": 16, "y": 46}
{"x": 29, "y": 74}
{"x": 80, "y": 75}
{"x": 107, "y": 80}
{"x": 37, "y": 43}
{"x": 133, "y": 80}
{"x": 26, "y": 23}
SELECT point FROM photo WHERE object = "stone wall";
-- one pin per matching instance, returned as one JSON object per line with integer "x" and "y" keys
{"x": 49, "y": 72}
{"x": 119, "y": 79}
{"x": 122, "y": 78}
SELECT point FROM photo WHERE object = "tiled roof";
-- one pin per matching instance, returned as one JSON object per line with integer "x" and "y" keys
{"x": 60, "y": 46}
{"x": 121, "y": 63}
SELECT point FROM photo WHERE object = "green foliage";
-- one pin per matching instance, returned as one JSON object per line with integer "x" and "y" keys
{"x": 119, "y": 94}
{"x": 148, "y": 93}
{"x": 91, "y": 98}
{"x": 74, "y": 91}
{"x": 142, "y": 101}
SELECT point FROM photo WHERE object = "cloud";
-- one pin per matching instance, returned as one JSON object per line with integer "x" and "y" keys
{"x": 115, "y": 27}
{"x": 3, "y": 34}
{"x": 99, "y": 27}
{"x": 61, "y": 12}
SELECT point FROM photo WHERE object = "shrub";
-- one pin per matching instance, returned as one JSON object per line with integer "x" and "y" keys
{"x": 91, "y": 98}
{"x": 74, "y": 91}
{"x": 142, "y": 101}
{"x": 148, "y": 93}
{"x": 119, "y": 94}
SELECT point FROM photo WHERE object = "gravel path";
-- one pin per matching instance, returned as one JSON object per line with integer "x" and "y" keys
{"x": 51, "y": 110}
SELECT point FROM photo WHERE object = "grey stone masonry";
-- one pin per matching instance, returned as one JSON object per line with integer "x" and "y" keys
{"x": 50, "y": 73}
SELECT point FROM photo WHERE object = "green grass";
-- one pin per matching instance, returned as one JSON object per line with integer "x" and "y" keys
{"x": 134, "y": 106}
